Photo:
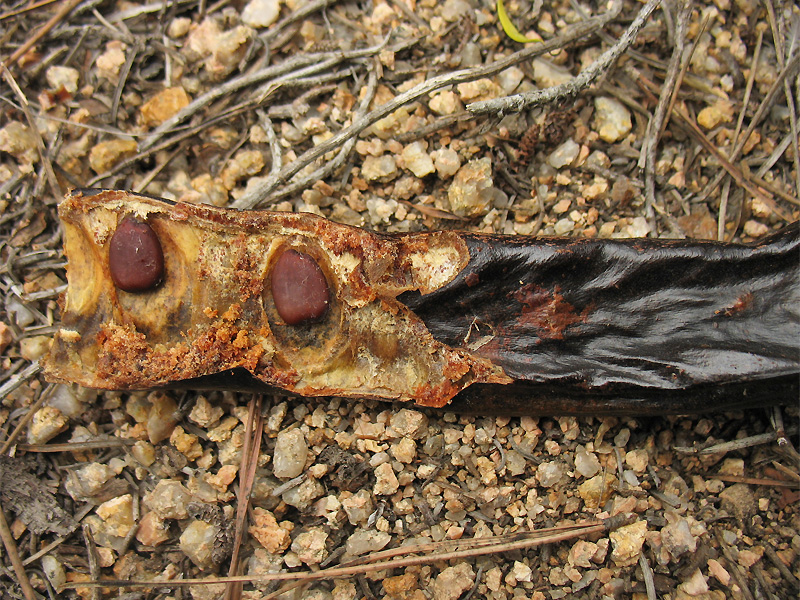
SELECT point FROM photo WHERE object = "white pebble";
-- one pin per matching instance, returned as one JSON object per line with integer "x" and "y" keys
{"x": 612, "y": 120}
{"x": 261, "y": 13}
{"x": 363, "y": 542}
{"x": 291, "y": 452}
{"x": 549, "y": 473}
{"x": 65, "y": 78}
{"x": 197, "y": 542}
{"x": 564, "y": 155}
{"x": 417, "y": 160}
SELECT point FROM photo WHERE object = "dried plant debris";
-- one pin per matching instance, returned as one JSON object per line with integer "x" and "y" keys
{"x": 624, "y": 119}
{"x": 34, "y": 502}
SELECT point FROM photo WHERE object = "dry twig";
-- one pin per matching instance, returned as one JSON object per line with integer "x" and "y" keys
{"x": 256, "y": 197}
{"x": 665, "y": 102}
{"x": 528, "y": 100}
{"x": 379, "y": 561}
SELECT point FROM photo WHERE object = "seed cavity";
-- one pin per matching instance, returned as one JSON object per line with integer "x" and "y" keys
{"x": 135, "y": 257}
{"x": 299, "y": 288}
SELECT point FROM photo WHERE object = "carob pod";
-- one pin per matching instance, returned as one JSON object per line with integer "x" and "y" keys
{"x": 481, "y": 323}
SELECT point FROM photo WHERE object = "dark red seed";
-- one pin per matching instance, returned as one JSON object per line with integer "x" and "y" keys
{"x": 299, "y": 288}
{"x": 135, "y": 257}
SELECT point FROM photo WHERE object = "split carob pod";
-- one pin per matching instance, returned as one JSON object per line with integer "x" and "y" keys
{"x": 166, "y": 294}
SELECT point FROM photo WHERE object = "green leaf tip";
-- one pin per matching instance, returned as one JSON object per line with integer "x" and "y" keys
{"x": 509, "y": 27}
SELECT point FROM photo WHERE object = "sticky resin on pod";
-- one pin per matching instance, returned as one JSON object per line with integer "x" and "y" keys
{"x": 299, "y": 288}
{"x": 135, "y": 257}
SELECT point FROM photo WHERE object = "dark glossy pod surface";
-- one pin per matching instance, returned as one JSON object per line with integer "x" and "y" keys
{"x": 625, "y": 326}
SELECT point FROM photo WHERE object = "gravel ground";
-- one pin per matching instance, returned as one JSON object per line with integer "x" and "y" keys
{"x": 391, "y": 116}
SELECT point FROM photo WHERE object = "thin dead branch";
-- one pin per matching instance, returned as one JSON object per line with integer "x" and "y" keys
{"x": 665, "y": 101}
{"x": 299, "y": 66}
{"x": 788, "y": 71}
{"x": 41, "y": 32}
{"x": 746, "y": 442}
{"x": 529, "y": 100}
{"x": 379, "y": 561}
{"x": 256, "y": 197}
{"x": 723, "y": 204}
{"x": 43, "y": 154}
{"x": 250, "y": 453}
{"x": 13, "y": 555}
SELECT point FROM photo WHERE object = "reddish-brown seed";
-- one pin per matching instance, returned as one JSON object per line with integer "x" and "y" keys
{"x": 299, "y": 288}
{"x": 135, "y": 257}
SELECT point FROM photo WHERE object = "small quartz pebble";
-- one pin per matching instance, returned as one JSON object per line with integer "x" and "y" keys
{"x": 32, "y": 348}
{"x": 6, "y": 337}
{"x": 470, "y": 194}
{"x": 519, "y": 572}
{"x": 163, "y": 105}
{"x": 88, "y": 481}
{"x": 105, "y": 155}
{"x": 582, "y": 553}
{"x": 612, "y": 120}
{"x": 546, "y": 74}
{"x": 381, "y": 168}
{"x": 401, "y": 586}
{"x": 510, "y": 78}
{"x": 627, "y": 543}
{"x": 404, "y": 450}
{"x": 721, "y": 111}
{"x": 17, "y": 140}
{"x": 303, "y": 496}
{"x": 696, "y": 585}
{"x": 290, "y": 455}
{"x": 117, "y": 515}
{"x": 677, "y": 537}
{"x": 453, "y": 581}
{"x": 718, "y": 571}
{"x": 135, "y": 257}
{"x": 755, "y": 228}
{"x": 204, "y": 413}
{"x": 386, "y": 482}
{"x": 197, "y": 542}
{"x": 110, "y": 62}
{"x": 46, "y": 424}
{"x": 637, "y": 460}
{"x": 112, "y": 522}
{"x": 481, "y": 89}
{"x": 261, "y": 13}
{"x": 549, "y": 473}
{"x": 19, "y": 313}
{"x": 265, "y": 529}
{"x": 596, "y": 491}
{"x": 299, "y": 289}
{"x": 54, "y": 571}
{"x": 365, "y": 541}
{"x": 586, "y": 463}
{"x": 445, "y": 103}
{"x": 564, "y": 155}
{"x": 446, "y": 161}
{"x": 417, "y": 160}
{"x": 153, "y": 530}
{"x": 310, "y": 546}
{"x": 380, "y": 210}
{"x": 161, "y": 416}
{"x": 65, "y": 78}
{"x": 358, "y": 507}
{"x": 169, "y": 499}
